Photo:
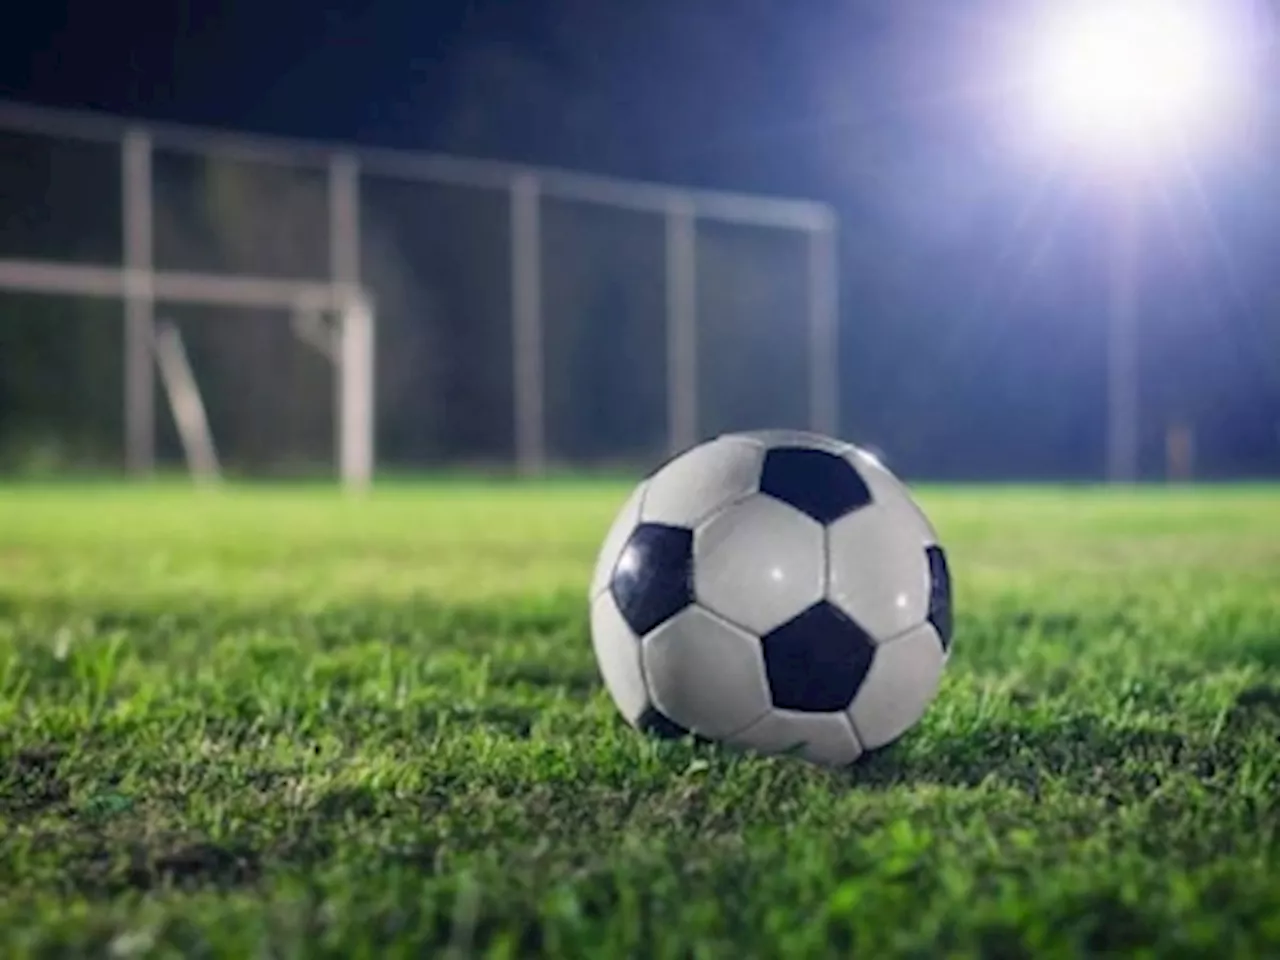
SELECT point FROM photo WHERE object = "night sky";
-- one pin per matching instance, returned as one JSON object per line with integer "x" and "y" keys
{"x": 757, "y": 94}
{"x": 951, "y": 247}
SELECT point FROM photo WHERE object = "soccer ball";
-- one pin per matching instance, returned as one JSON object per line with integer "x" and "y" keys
{"x": 778, "y": 592}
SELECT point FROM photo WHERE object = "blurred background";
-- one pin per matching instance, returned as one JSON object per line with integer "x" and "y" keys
{"x": 944, "y": 289}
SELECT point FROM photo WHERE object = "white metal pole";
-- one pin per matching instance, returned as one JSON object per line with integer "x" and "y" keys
{"x": 344, "y": 220}
{"x": 356, "y": 412}
{"x": 682, "y": 327}
{"x": 1122, "y": 346}
{"x": 824, "y": 331}
{"x": 527, "y": 341}
{"x": 188, "y": 408}
{"x": 139, "y": 304}
{"x": 354, "y": 382}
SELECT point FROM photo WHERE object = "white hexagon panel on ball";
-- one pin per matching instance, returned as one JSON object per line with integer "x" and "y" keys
{"x": 758, "y": 563}
{"x": 899, "y": 686}
{"x": 878, "y": 571}
{"x": 617, "y": 651}
{"x": 823, "y": 738}
{"x": 697, "y": 483}
{"x": 705, "y": 674}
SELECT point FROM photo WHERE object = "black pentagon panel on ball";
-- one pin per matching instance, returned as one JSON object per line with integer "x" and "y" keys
{"x": 815, "y": 482}
{"x": 939, "y": 594}
{"x": 653, "y": 578}
{"x": 817, "y": 662}
{"x": 657, "y": 724}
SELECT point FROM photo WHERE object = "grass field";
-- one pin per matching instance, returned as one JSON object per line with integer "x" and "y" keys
{"x": 272, "y": 722}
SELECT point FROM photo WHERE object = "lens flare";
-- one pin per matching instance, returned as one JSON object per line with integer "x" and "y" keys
{"x": 1119, "y": 75}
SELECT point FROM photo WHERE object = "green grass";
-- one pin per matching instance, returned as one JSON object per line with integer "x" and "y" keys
{"x": 272, "y": 722}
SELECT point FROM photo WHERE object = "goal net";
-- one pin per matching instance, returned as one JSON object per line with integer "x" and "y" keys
{"x": 264, "y": 307}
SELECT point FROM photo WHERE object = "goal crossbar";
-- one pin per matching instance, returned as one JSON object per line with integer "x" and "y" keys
{"x": 178, "y": 287}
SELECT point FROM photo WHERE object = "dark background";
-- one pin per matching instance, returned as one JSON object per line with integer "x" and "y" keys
{"x": 974, "y": 294}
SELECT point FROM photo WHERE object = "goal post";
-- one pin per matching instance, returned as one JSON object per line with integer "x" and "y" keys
{"x": 150, "y": 344}
{"x": 356, "y": 392}
{"x": 331, "y": 306}
{"x": 147, "y": 340}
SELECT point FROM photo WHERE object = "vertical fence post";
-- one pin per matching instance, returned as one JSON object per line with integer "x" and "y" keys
{"x": 355, "y": 408}
{"x": 527, "y": 340}
{"x": 139, "y": 304}
{"x": 824, "y": 331}
{"x": 682, "y": 327}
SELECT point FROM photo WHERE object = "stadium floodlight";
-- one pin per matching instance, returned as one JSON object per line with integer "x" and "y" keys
{"x": 1132, "y": 79}
{"x": 1125, "y": 87}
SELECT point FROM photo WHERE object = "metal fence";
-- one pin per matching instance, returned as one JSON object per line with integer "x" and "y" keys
{"x": 523, "y": 316}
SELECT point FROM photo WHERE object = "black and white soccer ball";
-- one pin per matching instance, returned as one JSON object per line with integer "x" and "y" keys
{"x": 775, "y": 591}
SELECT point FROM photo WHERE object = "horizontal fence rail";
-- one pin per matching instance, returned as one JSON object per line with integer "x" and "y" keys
{"x": 783, "y": 213}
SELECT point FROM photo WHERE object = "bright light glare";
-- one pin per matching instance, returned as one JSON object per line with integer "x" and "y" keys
{"x": 1130, "y": 75}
